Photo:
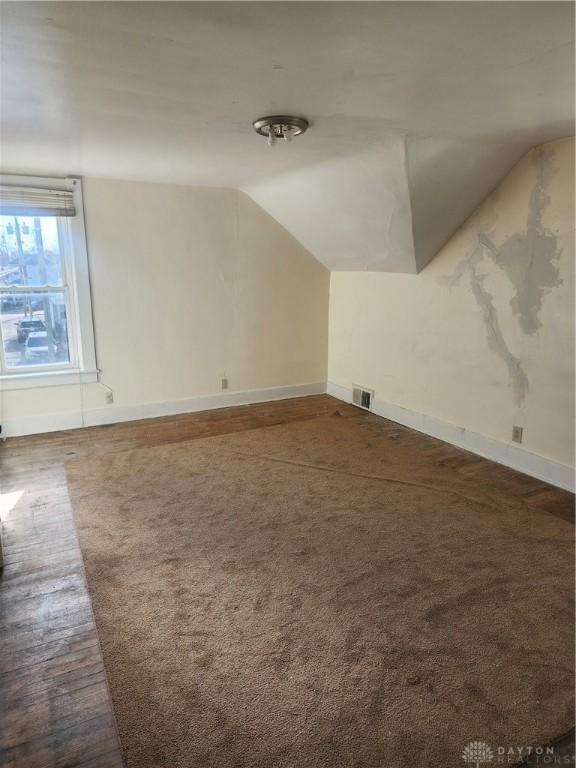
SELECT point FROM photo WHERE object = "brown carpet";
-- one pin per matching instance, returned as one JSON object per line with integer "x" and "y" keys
{"x": 369, "y": 610}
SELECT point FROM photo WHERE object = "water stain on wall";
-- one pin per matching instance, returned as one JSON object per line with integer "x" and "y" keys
{"x": 529, "y": 259}
{"x": 485, "y": 300}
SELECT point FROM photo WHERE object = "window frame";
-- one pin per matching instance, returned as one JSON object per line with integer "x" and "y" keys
{"x": 76, "y": 289}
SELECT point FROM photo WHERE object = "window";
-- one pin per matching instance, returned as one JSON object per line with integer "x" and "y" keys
{"x": 45, "y": 315}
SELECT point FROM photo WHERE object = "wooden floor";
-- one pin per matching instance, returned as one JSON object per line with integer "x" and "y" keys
{"x": 55, "y": 708}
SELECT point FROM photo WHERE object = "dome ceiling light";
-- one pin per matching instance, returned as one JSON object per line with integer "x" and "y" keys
{"x": 277, "y": 127}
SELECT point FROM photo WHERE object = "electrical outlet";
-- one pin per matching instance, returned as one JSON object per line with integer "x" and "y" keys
{"x": 224, "y": 383}
{"x": 109, "y": 398}
{"x": 517, "y": 434}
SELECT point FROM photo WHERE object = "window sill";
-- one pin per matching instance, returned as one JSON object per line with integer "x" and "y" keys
{"x": 30, "y": 380}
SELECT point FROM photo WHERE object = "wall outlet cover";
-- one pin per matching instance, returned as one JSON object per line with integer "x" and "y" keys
{"x": 517, "y": 433}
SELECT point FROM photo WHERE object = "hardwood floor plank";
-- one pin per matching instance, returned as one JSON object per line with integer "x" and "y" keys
{"x": 71, "y": 747}
{"x": 34, "y": 717}
{"x": 24, "y": 662}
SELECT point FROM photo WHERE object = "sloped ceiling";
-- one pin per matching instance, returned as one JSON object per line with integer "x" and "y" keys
{"x": 417, "y": 109}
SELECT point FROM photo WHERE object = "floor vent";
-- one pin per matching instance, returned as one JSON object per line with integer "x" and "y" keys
{"x": 362, "y": 397}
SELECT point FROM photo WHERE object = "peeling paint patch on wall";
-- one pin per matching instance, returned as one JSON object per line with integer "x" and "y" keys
{"x": 495, "y": 337}
{"x": 530, "y": 261}
{"x": 530, "y": 258}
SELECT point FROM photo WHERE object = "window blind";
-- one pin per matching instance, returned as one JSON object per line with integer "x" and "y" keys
{"x": 35, "y": 201}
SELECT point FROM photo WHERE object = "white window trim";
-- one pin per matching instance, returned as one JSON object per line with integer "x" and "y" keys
{"x": 82, "y": 367}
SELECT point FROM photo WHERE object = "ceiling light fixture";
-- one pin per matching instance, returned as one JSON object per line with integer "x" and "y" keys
{"x": 280, "y": 127}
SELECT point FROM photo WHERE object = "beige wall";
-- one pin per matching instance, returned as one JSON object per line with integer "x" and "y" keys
{"x": 190, "y": 286}
{"x": 483, "y": 338}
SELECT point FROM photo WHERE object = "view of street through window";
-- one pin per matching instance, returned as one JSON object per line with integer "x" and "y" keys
{"x": 33, "y": 318}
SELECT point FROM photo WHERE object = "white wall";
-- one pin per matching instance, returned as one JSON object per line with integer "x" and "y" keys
{"x": 483, "y": 338}
{"x": 369, "y": 229}
{"x": 189, "y": 286}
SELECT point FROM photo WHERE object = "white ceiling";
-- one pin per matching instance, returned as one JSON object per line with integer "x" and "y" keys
{"x": 168, "y": 91}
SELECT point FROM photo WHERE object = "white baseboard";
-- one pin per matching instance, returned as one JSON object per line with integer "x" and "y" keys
{"x": 40, "y": 423}
{"x": 112, "y": 414}
{"x": 510, "y": 455}
{"x": 553, "y": 472}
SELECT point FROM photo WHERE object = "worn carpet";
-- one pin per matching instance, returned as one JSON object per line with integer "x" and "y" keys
{"x": 313, "y": 595}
